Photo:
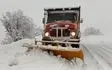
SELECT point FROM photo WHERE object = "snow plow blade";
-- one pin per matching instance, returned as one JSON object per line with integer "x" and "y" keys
{"x": 65, "y": 52}
{"x": 69, "y": 54}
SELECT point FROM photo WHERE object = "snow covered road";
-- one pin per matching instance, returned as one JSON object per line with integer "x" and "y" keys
{"x": 14, "y": 57}
{"x": 97, "y": 58}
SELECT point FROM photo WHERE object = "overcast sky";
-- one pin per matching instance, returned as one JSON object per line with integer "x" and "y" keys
{"x": 96, "y": 13}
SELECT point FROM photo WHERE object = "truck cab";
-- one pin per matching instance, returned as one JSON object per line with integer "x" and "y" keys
{"x": 61, "y": 24}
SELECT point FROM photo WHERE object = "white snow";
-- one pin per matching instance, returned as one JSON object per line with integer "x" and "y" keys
{"x": 97, "y": 49}
{"x": 69, "y": 48}
{"x": 14, "y": 56}
{"x": 96, "y": 39}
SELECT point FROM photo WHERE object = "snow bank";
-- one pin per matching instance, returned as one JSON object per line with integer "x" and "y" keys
{"x": 15, "y": 57}
{"x": 10, "y": 52}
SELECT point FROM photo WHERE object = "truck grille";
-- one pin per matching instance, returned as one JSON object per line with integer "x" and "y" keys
{"x": 60, "y": 32}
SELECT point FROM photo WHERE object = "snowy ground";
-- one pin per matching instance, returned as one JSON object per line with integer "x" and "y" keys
{"x": 97, "y": 51}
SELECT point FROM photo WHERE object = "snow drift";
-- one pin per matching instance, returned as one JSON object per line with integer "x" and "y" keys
{"x": 15, "y": 57}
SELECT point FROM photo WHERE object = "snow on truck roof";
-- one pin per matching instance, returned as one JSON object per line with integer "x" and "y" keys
{"x": 61, "y": 9}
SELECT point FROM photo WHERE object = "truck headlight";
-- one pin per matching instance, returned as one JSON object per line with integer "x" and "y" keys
{"x": 72, "y": 33}
{"x": 47, "y": 34}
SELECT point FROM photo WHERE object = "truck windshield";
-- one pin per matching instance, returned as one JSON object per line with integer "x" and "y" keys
{"x": 61, "y": 16}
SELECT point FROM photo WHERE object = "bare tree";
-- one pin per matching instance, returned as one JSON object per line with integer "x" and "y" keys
{"x": 17, "y": 25}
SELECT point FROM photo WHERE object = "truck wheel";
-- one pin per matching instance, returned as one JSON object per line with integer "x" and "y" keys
{"x": 75, "y": 45}
{"x": 63, "y": 45}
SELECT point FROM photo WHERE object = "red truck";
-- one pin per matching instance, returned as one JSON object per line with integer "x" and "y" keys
{"x": 62, "y": 28}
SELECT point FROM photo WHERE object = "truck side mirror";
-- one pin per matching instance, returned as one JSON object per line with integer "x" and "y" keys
{"x": 81, "y": 20}
{"x": 43, "y": 20}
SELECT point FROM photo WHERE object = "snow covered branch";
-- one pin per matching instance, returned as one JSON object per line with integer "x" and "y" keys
{"x": 17, "y": 25}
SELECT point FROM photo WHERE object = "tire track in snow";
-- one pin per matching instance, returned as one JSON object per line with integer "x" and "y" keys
{"x": 101, "y": 58}
{"x": 105, "y": 45}
{"x": 107, "y": 48}
{"x": 105, "y": 55}
{"x": 89, "y": 55}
